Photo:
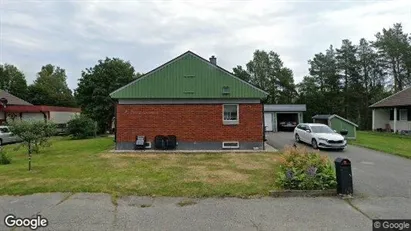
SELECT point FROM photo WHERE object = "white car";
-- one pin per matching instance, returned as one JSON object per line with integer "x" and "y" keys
{"x": 7, "y": 137}
{"x": 319, "y": 136}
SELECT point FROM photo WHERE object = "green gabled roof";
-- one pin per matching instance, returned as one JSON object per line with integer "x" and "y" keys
{"x": 188, "y": 76}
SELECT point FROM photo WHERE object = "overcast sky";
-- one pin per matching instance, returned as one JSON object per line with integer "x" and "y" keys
{"x": 76, "y": 34}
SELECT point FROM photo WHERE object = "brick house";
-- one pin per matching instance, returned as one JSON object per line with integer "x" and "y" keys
{"x": 203, "y": 105}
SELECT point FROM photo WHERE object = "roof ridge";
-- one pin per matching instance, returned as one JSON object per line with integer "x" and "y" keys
{"x": 388, "y": 97}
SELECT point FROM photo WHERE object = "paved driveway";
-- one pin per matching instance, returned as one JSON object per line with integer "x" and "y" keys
{"x": 375, "y": 174}
{"x": 382, "y": 182}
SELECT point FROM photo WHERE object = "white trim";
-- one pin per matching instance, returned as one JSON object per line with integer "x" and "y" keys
{"x": 231, "y": 122}
{"x": 395, "y": 120}
{"x": 390, "y": 96}
{"x": 230, "y": 147}
{"x": 373, "y": 120}
{"x": 334, "y": 115}
{"x": 187, "y": 101}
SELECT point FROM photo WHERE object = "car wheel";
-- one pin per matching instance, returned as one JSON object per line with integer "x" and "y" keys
{"x": 314, "y": 144}
{"x": 297, "y": 138}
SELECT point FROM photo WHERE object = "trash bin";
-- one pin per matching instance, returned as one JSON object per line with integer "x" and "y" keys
{"x": 344, "y": 176}
{"x": 344, "y": 132}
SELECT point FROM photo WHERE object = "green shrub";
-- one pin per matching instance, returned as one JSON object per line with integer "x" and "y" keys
{"x": 303, "y": 170}
{"x": 4, "y": 159}
{"x": 81, "y": 127}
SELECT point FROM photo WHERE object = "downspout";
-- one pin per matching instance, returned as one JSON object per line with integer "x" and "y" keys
{"x": 262, "y": 113}
{"x": 115, "y": 122}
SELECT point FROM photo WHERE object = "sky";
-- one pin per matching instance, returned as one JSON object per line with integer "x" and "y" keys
{"x": 76, "y": 34}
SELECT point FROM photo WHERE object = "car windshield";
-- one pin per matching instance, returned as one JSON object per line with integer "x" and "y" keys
{"x": 321, "y": 129}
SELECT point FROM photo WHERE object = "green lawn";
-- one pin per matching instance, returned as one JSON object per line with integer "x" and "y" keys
{"x": 87, "y": 166}
{"x": 385, "y": 142}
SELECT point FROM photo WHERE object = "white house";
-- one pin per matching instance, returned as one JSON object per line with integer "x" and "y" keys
{"x": 393, "y": 113}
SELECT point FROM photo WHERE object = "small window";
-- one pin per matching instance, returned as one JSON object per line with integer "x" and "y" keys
{"x": 403, "y": 114}
{"x": 231, "y": 144}
{"x": 230, "y": 114}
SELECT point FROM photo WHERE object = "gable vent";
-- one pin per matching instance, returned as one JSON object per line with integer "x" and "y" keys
{"x": 226, "y": 90}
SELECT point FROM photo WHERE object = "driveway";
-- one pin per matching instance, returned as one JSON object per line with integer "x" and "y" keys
{"x": 382, "y": 182}
{"x": 375, "y": 173}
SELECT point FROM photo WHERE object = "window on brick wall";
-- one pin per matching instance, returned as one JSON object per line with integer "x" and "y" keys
{"x": 230, "y": 114}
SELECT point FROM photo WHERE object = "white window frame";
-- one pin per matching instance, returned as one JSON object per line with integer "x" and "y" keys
{"x": 403, "y": 114}
{"x": 232, "y": 122}
{"x": 230, "y": 146}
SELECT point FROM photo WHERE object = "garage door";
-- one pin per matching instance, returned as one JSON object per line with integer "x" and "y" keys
{"x": 287, "y": 121}
{"x": 268, "y": 121}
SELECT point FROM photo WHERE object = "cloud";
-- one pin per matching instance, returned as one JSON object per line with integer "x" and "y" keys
{"x": 76, "y": 34}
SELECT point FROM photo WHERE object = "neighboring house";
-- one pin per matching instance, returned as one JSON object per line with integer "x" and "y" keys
{"x": 338, "y": 124}
{"x": 277, "y": 116}
{"x": 203, "y": 105}
{"x": 393, "y": 113}
{"x": 19, "y": 109}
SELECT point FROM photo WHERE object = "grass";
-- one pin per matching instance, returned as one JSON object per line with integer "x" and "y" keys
{"x": 87, "y": 166}
{"x": 385, "y": 142}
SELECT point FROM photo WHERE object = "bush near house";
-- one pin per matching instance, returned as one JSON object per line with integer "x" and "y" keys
{"x": 302, "y": 170}
{"x": 4, "y": 159}
{"x": 81, "y": 127}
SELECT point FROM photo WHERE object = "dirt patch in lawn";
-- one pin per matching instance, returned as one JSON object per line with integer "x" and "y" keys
{"x": 203, "y": 173}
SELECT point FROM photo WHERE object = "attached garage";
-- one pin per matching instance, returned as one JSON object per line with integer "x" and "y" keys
{"x": 283, "y": 117}
{"x": 338, "y": 124}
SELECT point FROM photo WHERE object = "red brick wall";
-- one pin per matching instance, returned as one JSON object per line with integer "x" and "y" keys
{"x": 188, "y": 122}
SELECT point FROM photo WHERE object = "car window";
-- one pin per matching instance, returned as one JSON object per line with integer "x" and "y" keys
{"x": 4, "y": 130}
{"x": 302, "y": 127}
{"x": 321, "y": 129}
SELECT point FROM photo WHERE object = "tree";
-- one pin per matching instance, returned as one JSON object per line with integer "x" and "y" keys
{"x": 13, "y": 81}
{"x": 241, "y": 73}
{"x": 394, "y": 46}
{"x": 372, "y": 74}
{"x": 50, "y": 88}
{"x": 34, "y": 134}
{"x": 323, "y": 70}
{"x": 95, "y": 85}
{"x": 267, "y": 72}
{"x": 347, "y": 65}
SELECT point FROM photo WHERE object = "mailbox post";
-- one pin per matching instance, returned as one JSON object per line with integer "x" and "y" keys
{"x": 344, "y": 176}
